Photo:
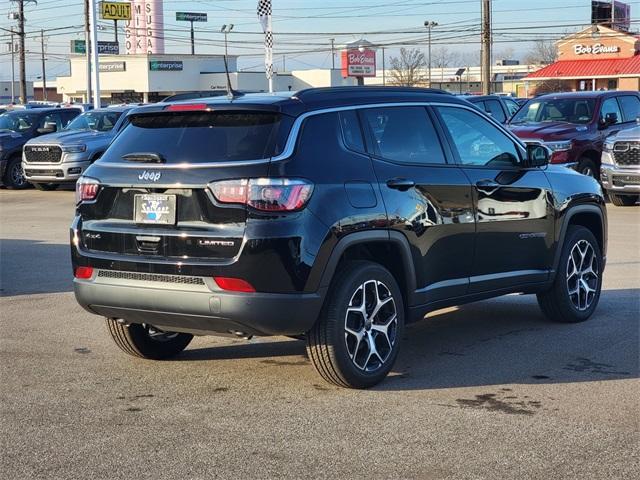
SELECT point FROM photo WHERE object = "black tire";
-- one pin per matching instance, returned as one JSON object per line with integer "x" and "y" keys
{"x": 46, "y": 187}
{"x": 557, "y": 303}
{"x": 328, "y": 342}
{"x": 588, "y": 167}
{"x": 140, "y": 341}
{"x": 623, "y": 200}
{"x": 14, "y": 175}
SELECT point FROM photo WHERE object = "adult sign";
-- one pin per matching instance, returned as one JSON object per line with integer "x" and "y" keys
{"x": 115, "y": 10}
{"x": 359, "y": 63}
{"x": 191, "y": 17}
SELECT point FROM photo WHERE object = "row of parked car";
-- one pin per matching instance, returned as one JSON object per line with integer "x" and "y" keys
{"x": 47, "y": 147}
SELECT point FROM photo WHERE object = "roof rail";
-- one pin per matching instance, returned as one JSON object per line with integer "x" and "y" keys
{"x": 368, "y": 89}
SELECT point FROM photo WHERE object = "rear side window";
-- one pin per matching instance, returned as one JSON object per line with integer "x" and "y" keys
{"x": 351, "y": 131}
{"x": 610, "y": 105}
{"x": 630, "y": 105}
{"x": 202, "y": 137}
{"x": 495, "y": 109}
{"x": 403, "y": 134}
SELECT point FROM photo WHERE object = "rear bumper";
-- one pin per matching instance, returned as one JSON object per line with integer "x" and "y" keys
{"x": 620, "y": 180}
{"x": 198, "y": 308}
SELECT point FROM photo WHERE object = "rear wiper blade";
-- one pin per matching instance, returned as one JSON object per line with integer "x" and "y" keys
{"x": 144, "y": 157}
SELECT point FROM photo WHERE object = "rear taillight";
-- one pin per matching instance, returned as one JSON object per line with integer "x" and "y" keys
{"x": 234, "y": 284}
{"x": 264, "y": 194}
{"x": 86, "y": 189}
{"x": 84, "y": 273}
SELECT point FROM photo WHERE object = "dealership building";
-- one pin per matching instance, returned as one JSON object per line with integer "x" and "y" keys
{"x": 596, "y": 58}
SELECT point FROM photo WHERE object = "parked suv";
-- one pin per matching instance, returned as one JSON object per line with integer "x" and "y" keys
{"x": 19, "y": 126}
{"x": 575, "y": 125}
{"x": 620, "y": 169}
{"x": 62, "y": 157}
{"x": 500, "y": 107}
{"x": 340, "y": 214}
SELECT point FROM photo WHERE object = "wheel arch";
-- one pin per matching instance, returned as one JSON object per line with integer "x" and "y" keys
{"x": 387, "y": 248}
{"x": 589, "y": 216}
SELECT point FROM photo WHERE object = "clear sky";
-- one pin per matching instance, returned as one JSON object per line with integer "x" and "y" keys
{"x": 303, "y": 28}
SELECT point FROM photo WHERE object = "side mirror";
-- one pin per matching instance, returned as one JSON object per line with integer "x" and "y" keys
{"x": 538, "y": 155}
{"x": 610, "y": 118}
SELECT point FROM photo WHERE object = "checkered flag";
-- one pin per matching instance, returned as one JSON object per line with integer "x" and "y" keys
{"x": 264, "y": 14}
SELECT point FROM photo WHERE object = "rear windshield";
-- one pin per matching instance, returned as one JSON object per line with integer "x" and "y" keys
{"x": 199, "y": 137}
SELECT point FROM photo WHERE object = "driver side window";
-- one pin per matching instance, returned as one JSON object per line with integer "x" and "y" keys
{"x": 477, "y": 141}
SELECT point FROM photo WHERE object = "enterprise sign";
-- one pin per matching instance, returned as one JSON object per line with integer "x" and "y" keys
{"x": 191, "y": 17}
{"x": 112, "y": 67}
{"x": 165, "y": 66}
{"x": 595, "y": 49}
{"x": 106, "y": 48}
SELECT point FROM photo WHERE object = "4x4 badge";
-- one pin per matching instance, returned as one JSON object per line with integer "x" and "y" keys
{"x": 150, "y": 176}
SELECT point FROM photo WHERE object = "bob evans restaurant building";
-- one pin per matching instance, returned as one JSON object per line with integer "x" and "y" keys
{"x": 595, "y": 58}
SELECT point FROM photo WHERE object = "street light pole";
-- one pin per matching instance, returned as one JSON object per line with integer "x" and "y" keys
{"x": 95, "y": 77}
{"x": 226, "y": 29}
{"x": 13, "y": 71}
{"x": 430, "y": 24}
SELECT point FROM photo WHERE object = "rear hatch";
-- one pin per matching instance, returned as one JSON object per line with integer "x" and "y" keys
{"x": 155, "y": 194}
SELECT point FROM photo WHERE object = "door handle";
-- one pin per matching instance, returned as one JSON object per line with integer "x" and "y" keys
{"x": 487, "y": 183}
{"x": 401, "y": 184}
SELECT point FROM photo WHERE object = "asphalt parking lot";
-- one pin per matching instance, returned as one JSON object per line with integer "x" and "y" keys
{"x": 489, "y": 390}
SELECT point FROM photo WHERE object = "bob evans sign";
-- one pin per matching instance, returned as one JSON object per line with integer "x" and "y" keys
{"x": 595, "y": 49}
{"x": 358, "y": 64}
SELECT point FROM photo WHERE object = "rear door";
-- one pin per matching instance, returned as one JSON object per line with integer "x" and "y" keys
{"x": 427, "y": 197}
{"x": 513, "y": 204}
{"x": 494, "y": 107}
{"x": 156, "y": 197}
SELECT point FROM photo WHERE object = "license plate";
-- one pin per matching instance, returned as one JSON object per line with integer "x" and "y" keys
{"x": 155, "y": 209}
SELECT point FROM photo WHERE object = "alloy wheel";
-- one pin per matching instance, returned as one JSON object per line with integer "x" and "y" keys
{"x": 17, "y": 175}
{"x": 582, "y": 275}
{"x": 371, "y": 325}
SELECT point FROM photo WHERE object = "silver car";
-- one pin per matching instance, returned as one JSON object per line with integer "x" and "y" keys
{"x": 57, "y": 158}
{"x": 620, "y": 167}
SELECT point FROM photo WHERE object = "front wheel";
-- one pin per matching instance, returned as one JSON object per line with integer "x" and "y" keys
{"x": 146, "y": 341}
{"x": 588, "y": 167}
{"x": 14, "y": 175}
{"x": 623, "y": 200}
{"x": 576, "y": 289}
{"x": 356, "y": 340}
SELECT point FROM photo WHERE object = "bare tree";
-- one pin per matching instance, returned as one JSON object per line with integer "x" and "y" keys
{"x": 408, "y": 70}
{"x": 441, "y": 57}
{"x": 542, "y": 51}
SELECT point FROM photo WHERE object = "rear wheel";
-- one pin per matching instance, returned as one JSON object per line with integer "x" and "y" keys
{"x": 356, "y": 340}
{"x": 623, "y": 200}
{"x": 47, "y": 187}
{"x": 14, "y": 175}
{"x": 146, "y": 341}
{"x": 588, "y": 167}
{"x": 576, "y": 289}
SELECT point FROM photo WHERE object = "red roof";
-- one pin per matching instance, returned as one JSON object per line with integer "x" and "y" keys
{"x": 589, "y": 68}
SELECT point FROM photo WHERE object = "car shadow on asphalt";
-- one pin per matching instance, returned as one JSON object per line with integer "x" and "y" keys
{"x": 495, "y": 342}
{"x": 30, "y": 266}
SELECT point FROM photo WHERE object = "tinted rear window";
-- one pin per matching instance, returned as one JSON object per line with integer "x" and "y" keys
{"x": 198, "y": 137}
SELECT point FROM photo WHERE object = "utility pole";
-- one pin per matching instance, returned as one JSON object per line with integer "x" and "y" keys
{"x": 13, "y": 70}
{"x": 430, "y": 24}
{"x": 87, "y": 43}
{"x": 23, "y": 74}
{"x": 486, "y": 47}
{"x": 384, "y": 75}
{"x": 44, "y": 72}
{"x": 333, "y": 54}
{"x": 193, "y": 40}
{"x": 94, "y": 55}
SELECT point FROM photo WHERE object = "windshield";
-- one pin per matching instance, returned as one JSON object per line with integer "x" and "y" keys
{"x": 17, "y": 122}
{"x": 569, "y": 110}
{"x": 200, "y": 137}
{"x": 98, "y": 121}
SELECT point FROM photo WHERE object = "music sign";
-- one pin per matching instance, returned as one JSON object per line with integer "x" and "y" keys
{"x": 356, "y": 63}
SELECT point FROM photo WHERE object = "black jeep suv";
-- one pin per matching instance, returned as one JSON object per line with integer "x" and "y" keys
{"x": 336, "y": 214}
